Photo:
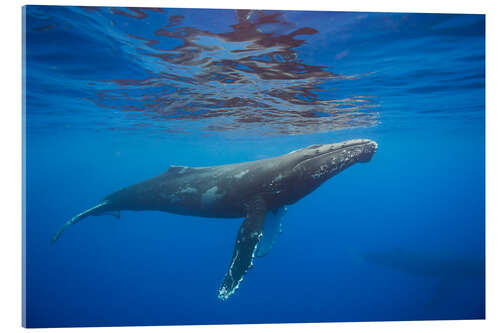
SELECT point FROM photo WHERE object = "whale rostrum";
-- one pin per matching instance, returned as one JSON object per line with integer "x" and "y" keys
{"x": 258, "y": 190}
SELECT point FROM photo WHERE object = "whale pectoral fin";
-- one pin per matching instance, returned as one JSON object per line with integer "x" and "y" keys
{"x": 248, "y": 237}
{"x": 272, "y": 228}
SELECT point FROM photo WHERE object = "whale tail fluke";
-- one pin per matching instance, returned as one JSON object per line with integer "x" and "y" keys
{"x": 96, "y": 210}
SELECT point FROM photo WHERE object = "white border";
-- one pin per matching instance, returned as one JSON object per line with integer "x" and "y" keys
{"x": 10, "y": 157}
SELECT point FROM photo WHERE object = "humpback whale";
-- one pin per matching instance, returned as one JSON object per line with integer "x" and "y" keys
{"x": 256, "y": 190}
{"x": 456, "y": 276}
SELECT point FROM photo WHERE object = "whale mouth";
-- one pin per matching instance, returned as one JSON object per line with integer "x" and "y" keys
{"x": 338, "y": 156}
{"x": 368, "y": 149}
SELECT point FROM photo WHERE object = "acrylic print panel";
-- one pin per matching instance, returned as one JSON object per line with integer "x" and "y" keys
{"x": 198, "y": 166}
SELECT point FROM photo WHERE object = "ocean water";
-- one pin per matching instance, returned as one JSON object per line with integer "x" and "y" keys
{"x": 114, "y": 96}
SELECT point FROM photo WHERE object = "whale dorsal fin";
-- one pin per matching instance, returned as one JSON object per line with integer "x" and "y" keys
{"x": 248, "y": 237}
{"x": 273, "y": 225}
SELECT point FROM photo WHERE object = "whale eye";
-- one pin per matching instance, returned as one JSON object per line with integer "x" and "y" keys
{"x": 314, "y": 146}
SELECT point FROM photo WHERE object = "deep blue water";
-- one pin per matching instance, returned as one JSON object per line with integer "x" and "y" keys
{"x": 114, "y": 96}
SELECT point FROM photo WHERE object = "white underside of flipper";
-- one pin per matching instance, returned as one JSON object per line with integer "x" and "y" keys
{"x": 273, "y": 225}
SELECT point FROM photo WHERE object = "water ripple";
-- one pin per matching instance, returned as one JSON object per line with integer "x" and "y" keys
{"x": 248, "y": 78}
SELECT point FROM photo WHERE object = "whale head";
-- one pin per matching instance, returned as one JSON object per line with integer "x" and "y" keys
{"x": 313, "y": 165}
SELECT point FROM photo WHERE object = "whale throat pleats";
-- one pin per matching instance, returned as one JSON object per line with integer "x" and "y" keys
{"x": 248, "y": 237}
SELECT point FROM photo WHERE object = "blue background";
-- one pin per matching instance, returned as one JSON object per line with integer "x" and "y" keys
{"x": 422, "y": 193}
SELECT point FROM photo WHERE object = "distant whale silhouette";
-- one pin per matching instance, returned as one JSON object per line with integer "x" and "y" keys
{"x": 439, "y": 265}
{"x": 251, "y": 189}
{"x": 452, "y": 273}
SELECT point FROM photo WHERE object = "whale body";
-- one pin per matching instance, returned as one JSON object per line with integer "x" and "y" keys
{"x": 256, "y": 190}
